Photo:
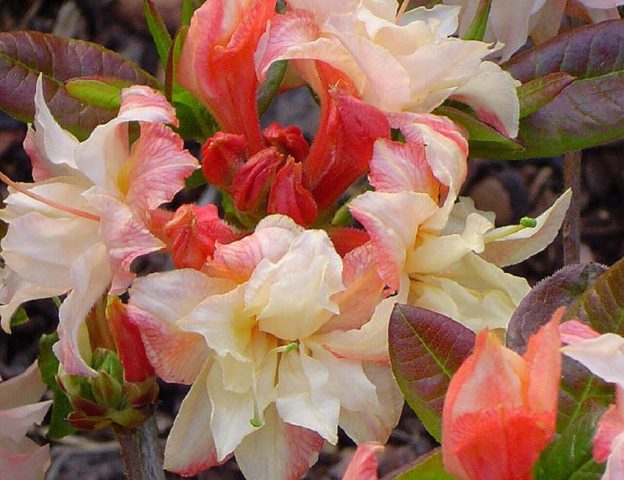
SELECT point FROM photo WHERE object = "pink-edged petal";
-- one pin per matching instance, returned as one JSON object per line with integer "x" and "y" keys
{"x": 609, "y": 427}
{"x": 363, "y": 464}
{"x": 103, "y": 154}
{"x": 492, "y": 95}
{"x": 16, "y": 291}
{"x": 364, "y": 289}
{"x": 574, "y": 331}
{"x": 125, "y": 237}
{"x": 509, "y": 249}
{"x": 376, "y": 425}
{"x": 392, "y": 232}
{"x": 157, "y": 168}
{"x": 278, "y": 450}
{"x": 271, "y": 240}
{"x": 615, "y": 462}
{"x": 398, "y": 166}
{"x": 15, "y": 422}
{"x": 304, "y": 396}
{"x": 603, "y": 356}
{"x": 51, "y": 149}
{"x": 26, "y": 461}
{"x": 157, "y": 302}
{"x": 296, "y": 36}
{"x": 91, "y": 276}
{"x": 143, "y": 104}
{"x": 23, "y": 389}
{"x": 190, "y": 446}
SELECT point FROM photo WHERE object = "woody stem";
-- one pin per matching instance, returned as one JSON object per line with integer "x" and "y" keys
{"x": 141, "y": 453}
{"x": 572, "y": 221}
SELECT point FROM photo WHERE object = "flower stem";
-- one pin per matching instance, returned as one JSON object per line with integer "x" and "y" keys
{"x": 572, "y": 221}
{"x": 141, "y": 453}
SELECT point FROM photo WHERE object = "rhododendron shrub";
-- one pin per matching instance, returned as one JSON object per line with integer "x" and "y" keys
{"x": 334, "y": 276}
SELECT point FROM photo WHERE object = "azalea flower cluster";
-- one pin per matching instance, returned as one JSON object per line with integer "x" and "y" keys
{"x": 278, "y": 318}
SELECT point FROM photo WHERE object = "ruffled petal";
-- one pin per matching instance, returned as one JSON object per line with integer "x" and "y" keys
{"x": 23, "y": 389}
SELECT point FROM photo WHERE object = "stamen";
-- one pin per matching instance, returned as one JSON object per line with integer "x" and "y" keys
{"x": 525, "y": 222}
{"x": 47, "y": 201}
{"x": 401, "y": 11}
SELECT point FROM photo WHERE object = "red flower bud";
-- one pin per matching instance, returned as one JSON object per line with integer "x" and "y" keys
{"x": 288, "y": 140}
{"x": 252, "y": 182}
{"x": 289, "y": 197}
{"x": 222, "y": 155}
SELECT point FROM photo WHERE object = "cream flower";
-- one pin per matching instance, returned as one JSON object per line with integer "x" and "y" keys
{"x": 396, "y": 62}
{"x": 271, "y": 385}
{"x": 439, "y": 254}
{"x": 86, "y": 217}
{"x": 20, "y": 457}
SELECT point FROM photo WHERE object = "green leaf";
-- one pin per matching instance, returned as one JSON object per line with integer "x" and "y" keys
{"x": 476, "y": 30}
{"x": 20, "y": 317}
{"x": 270, "y": 86}
{"x": 426, "y": 349}
{"x": 99, "y": 92}
{"x": 61, "y": 408}
{"x": 24, "y": 55}
{"x": 158, "y": 30}
{"x": 188, "y": 8}
{"x": 569, "y": 455}
{"x": 536, "y": 93}
{"x": 196, "y": 179}
{"x": 602, "y": 304}
{"x": 590, "y": 110}
{"x": 427, "y": 467}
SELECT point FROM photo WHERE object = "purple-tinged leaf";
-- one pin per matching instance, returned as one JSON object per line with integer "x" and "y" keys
{"x": 563, "y": 288}
{"x": 426, "y": 349}
{"x": 24, "y": 55}
{"x": 602, "y": 304}
{"x": 536, "y": 93}
{"x": 590, "y": 110}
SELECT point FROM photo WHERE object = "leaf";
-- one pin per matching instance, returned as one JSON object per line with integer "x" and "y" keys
{"x": 602, "y": 304}
{"x": 196, "y": 179}
{"x": 23, "y": 55}
{"x": 426, "y": 467}
{"x": 579, "y": 389}
{"x": 590, "y": 110}
{"x": 61, "y": 408}
{"x": 20, "y": 317}
{"x": 536, "y": 93}
{"x": 188, "y": 8}
{"x": 102, "y": 92}
{"x": 158, "y": 30}
{"x": 270, "y": 86}
{"x": 476, "y": 30}
{"x": 426, "y": 349}
{"x": 569, "y": 456}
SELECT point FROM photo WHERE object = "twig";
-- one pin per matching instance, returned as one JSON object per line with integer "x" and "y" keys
{"x": 572, "y": 221}
{"x": 141, "y": 454}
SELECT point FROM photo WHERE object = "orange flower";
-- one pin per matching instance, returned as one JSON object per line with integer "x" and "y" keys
{"x": 500, "y": 408}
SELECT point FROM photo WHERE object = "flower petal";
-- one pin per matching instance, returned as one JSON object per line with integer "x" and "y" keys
{"x": 190, "y": 446}
{"x": 363, "y": 464}
{"x": 278, "y": 450}
{"x": 23, "y": 389}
